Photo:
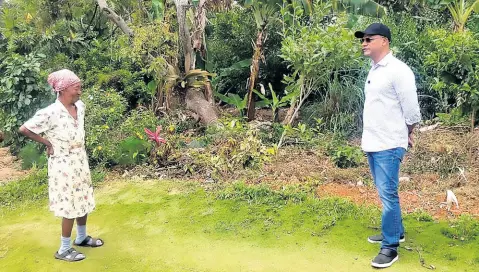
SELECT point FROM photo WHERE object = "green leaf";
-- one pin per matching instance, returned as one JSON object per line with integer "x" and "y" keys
{"x": 263, "y": 103}
{"x": 476, "y": 6}
{"x": 152, "y": 85}
{"x": 259, "y": 94}
{"x": 241, "y": 64}
{"x": 273, "y": 93}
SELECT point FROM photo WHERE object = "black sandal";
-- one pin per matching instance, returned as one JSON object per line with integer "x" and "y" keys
{"x": 84, "y": 243}
{"x": 69, "y": 255}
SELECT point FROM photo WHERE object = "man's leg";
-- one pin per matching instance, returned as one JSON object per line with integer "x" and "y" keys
{"x": 386, "y": 173}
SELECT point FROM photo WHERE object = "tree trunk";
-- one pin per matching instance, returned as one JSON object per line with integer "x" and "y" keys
{"x": 185, "y": 37}
{"x": 196, "y": 102}
{"x": 254, "y": 69}
{"x": 115, "y": 18}
{"x": 200, "y": 25}
{"x": 289, "y": 115}
{"x": 209, "y": 93}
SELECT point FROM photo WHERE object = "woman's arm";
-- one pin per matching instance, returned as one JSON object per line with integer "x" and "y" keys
{"x": 37, "y": 138}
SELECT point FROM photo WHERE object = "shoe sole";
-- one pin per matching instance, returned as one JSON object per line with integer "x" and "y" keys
{"x": 376, "y": 265}
{"x": 378, "y": 242}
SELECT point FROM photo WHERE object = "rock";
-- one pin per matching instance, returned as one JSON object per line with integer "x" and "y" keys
{"x": 360, "y": 183}
{"x": 404, "y": 179}
{"x": 424, "y": 129}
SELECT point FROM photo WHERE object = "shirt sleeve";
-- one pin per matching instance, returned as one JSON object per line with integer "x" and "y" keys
{"x": 40, "y": 122}
{"x": 405, "y": 86}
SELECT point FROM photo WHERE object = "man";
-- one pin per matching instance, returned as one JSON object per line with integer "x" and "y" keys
{"x": 391, "y": 110}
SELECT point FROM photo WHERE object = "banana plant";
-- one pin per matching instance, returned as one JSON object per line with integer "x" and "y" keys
{"x": 360, "y": 7}
{"x": 263, "y": 14}
{"x": 460, "y": 11}
{"x": 264, "y": 11}
{"x": 235, "y": 100}
{"x": 275, "y": 102}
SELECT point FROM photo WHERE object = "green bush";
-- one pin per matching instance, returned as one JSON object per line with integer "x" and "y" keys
{"x": 98, "y": 176}
{"x": 453, "y": 61}
{"x": 344, "y": 155}
{"x": 105, "y": 112}
{"x": 23, "y": 91}
{"x": 33, "y": 187}
{"x": 339, "y": 109}
{"x": 466, "y": 228}
{"x": 348, "y": 156}
{"x": 137, "y": 121}
{"x": 453, "y": 118}
{"x": 32, "y": 155}
{"x": 226, "y": 148}
{"x": 132, "y": 151}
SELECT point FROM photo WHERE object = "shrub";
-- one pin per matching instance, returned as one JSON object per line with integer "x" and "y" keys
{"x": 33, "y": 187}
{"x": 104, "y": 115}
{"x": 132, "y": 151}
{"x": 138, "y": 120}
{"x": 23, "y": 91}
{"x": 32, "y": 155}
{"x": 466, "y": 228}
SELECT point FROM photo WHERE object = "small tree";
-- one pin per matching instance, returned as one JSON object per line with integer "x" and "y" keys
{"x": 316, "y": 51}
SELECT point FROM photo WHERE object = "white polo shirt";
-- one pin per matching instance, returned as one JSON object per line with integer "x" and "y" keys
{"x": 391, "y": 104}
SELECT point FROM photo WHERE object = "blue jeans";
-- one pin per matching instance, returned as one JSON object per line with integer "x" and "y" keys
{"x": 384, "y": 167}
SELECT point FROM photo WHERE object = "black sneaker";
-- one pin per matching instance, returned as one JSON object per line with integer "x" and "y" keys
{"x": 385, "y": 258}
{"x": 377, "y": 239}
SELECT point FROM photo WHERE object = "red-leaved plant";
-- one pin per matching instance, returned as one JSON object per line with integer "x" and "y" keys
{"x": 155, "y": 136}
{"x": 160, "y": 153}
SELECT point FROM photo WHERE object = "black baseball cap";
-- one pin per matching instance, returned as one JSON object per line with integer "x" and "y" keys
{"x": 375, "y": 29}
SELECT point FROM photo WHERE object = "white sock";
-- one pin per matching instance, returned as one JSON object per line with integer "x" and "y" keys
{"x": 64, "y": 245}
{"x": 81, "y": 234}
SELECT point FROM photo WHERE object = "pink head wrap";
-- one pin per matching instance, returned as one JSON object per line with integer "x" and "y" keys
{"x": 60, "y": 80}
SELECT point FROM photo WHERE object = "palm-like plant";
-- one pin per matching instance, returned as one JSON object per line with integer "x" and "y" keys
{"x": 263, "y": 14}
{"x": 460, "y": 11}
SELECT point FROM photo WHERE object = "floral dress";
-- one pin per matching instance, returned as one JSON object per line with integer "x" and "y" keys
{"x": 69, "y": 182}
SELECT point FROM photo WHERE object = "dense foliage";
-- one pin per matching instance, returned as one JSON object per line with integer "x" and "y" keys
{"x": 309, "y": 61}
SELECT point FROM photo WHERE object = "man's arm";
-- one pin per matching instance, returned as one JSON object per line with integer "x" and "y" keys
{"x": 405, "y": 87}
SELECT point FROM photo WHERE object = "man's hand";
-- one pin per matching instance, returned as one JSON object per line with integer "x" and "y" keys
{"x": 410, "y": 129}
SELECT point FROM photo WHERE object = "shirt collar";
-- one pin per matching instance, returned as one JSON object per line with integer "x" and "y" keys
{"x": 62, "y": 107}
{"x": 384, "y": 61}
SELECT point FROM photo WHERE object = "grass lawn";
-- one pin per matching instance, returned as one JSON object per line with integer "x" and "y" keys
{"x": 173, "y": 226}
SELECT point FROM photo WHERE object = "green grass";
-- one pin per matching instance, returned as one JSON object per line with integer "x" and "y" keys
{"x": 174, "y": 226}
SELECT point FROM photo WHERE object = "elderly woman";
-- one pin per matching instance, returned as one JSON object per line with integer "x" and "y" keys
{"x": 69, "y": 182}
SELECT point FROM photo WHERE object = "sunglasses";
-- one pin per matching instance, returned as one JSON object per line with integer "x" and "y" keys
{"x": 367, "y": 40}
